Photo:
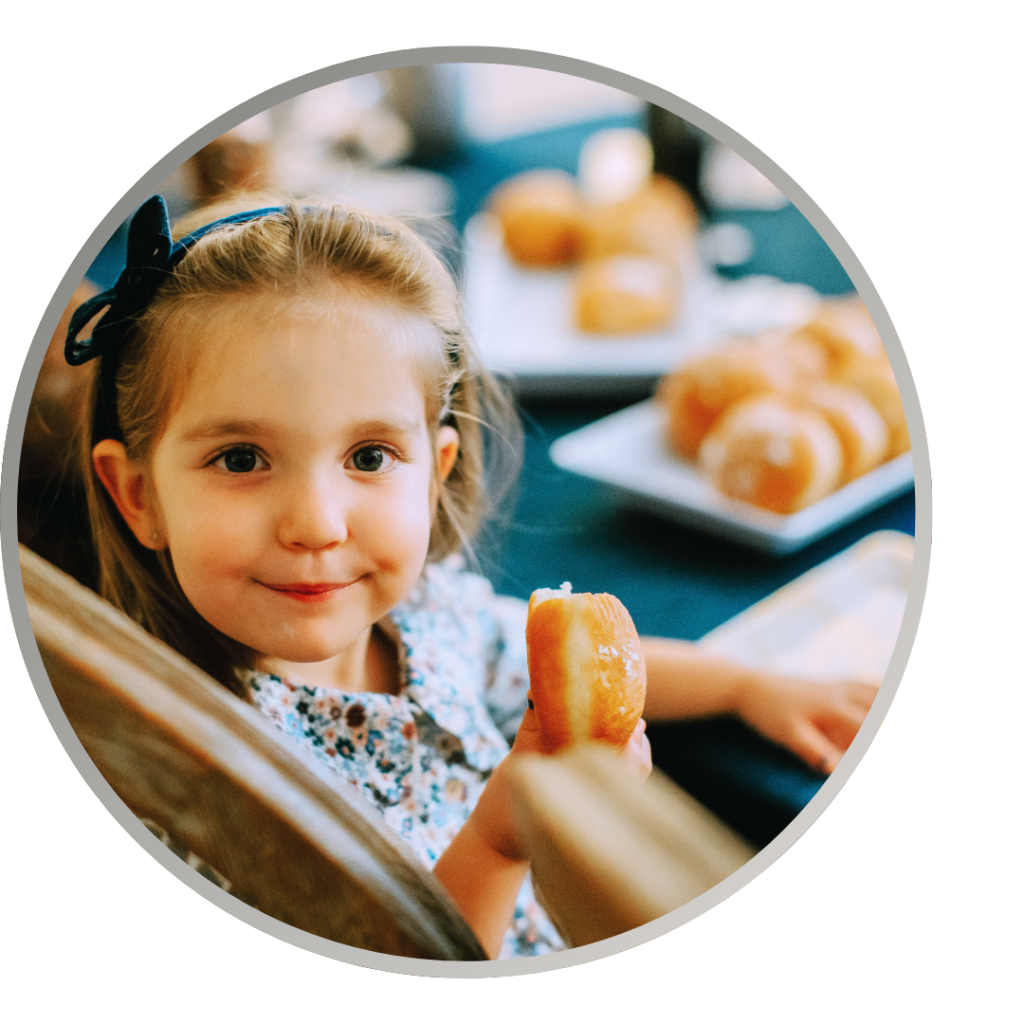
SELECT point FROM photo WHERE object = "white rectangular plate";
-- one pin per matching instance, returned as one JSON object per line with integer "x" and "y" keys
{"x": 840, "y": 620}
{"x": 522, "y": 322}
{"x": 627, "y": 451}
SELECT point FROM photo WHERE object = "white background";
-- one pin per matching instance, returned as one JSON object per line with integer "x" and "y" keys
{"x": 902, "y": 901}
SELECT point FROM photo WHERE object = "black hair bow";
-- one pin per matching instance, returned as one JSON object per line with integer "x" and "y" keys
{"x": 152, "y": 256}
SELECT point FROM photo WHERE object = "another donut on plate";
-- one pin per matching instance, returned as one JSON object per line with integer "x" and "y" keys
{"x": 541, "y": 214}
{"x": 844, "y": 330}
{"x": 661, "y": 220}
{"x": 874, "y": 379}
{"x": 698, "y": 393}
{"x": 772, "y": 453}
{"x": 625, "y": 295}
{"x": 861, "y": 430}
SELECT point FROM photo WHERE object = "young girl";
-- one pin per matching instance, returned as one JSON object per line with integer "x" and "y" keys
{"x": 286, "y": 459}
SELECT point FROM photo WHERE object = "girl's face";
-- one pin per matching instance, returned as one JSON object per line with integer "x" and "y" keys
{"x": 293, "y": 484}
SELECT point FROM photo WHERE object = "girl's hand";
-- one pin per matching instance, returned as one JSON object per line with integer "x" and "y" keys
{"x": 638, "y": 751}
{"x": 492, "y": 817}
{"x": 816, "y": 721}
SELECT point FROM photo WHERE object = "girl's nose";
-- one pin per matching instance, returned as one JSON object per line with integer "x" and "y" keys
{"x": 313, "y": 516}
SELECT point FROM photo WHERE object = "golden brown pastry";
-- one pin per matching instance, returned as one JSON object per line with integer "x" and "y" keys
{"x": 701, "y": 391}
{"x": 587, "y": 674}
{"x": 862, "y": 432}
{"x": 874, "y": 379}
{"x": 844, "y": 330}
{"x": 625, "y": 295}
{"x": 541, "y": 214}
{"x": 661, "y": 220}
{"x": 773, "y": 453}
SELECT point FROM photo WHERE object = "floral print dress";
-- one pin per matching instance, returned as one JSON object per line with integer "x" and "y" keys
{"x": 423, "y": 757}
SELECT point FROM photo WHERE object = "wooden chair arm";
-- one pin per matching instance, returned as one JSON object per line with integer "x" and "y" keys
{"x": 181, "y": 750}
{"x": 610, "y": 853}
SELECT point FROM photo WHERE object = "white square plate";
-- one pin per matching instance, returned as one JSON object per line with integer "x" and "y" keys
{"x": 627, "y": 451}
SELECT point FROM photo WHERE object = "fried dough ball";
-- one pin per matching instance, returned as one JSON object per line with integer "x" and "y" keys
{"x": 773, "y": 453}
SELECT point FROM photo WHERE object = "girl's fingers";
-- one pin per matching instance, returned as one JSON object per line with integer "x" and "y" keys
{"x": 841, "y": 725}
{"x": 528, "y": 738}
{"x": 813, "y": 747}
{"x": 638, "y": 751}
{"x": 861, "y": 694}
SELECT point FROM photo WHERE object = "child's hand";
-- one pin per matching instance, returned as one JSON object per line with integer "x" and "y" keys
{"x": 817, "y": 721}
{"x": 638, "y": 751}
{"x": 485, "y": 865}
{"x": 492, "y": 817}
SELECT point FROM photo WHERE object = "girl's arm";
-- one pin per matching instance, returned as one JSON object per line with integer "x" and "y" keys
{"x": 817, "y": 721}
{"x": 485, "y": 865}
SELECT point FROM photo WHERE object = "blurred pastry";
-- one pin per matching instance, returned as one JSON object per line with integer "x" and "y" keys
{"x": 773, "y": 453}
{"x": 660, "y": 220}
{"x": 874, "y": 379}
{"x": 541, "y": 216}
{"x": 862, "y": 432}
{"x": 625, "y": 295}
{"x": 844, "y": 330}
{"x": 701, "y": 391}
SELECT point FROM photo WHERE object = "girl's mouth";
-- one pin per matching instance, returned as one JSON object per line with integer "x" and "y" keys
{"x": 308, "y": 592}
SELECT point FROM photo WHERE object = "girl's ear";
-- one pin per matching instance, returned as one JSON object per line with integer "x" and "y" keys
{"x": 125, "y": 481}
{"x": 447, "y": 451}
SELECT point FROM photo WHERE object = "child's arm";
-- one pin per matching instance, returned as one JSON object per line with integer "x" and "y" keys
{"x": 814, "y": 720}
{"x": 485, "y": 865}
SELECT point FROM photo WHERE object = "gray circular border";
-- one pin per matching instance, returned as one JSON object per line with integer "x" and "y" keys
{"x": 460, "y": 55}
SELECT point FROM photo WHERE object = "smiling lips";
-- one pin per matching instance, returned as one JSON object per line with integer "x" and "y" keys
{"x": 308, "y": 592}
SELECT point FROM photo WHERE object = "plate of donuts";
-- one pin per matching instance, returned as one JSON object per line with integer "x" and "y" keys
{"x": 629, "y": 452}
{"x": 612, "y": 325}
{"x": 772, "y": 440}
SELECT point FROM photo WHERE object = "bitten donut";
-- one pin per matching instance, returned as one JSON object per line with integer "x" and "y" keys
{"x": 587, "y": 674}
{"x": 772, "y": 453}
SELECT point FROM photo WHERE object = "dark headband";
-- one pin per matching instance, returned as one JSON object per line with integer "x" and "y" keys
{"x": 151, "y": 258}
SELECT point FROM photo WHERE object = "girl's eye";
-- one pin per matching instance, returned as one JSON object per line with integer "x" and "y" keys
{"x": 370, "y": 459}
{"x": 238, "y": 460}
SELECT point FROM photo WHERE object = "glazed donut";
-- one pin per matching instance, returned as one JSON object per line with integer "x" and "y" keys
{"x": 771, "y": 452}
{"x": 625, "y": 295}
{"x": 587, "y": 674}
{"x": 874, "y": 379}
{"x": 862, "y": 432}
{"x": 661, "y": 220}
{"x": 844, "y": 331}
{"x": 697, "y": 394}
{"x": 541, "y": 215}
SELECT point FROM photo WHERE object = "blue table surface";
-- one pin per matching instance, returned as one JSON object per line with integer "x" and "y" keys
{"x": 675, "y": 581}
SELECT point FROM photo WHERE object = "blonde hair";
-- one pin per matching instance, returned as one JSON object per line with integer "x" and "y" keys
{"x": 290, "y": 254}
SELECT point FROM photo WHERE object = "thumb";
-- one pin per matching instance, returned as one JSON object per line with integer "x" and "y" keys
{"x": 528, "y": 738}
